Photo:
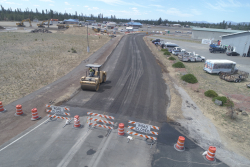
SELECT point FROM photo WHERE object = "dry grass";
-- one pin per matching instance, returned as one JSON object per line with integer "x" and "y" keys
{"x": 234, "y": 133}
{"x": 29, "y": 61}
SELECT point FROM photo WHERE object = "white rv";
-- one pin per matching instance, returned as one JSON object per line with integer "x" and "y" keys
{"x": 217, "y": 66}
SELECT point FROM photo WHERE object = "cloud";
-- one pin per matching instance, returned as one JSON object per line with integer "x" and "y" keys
{"x": 158, "y": 6}
{"x": 86, "y": 6}
{"x": 95, "y": 8}
{"x": 175, "y": 12}
{"x": 223, "y": 4}
{"x": 66, "y": 3}
{"x": 47, "y": 1}
{"x": 195, "y": 12}
{"x": 51, "y": 5}
{"x": 120, "y": 2}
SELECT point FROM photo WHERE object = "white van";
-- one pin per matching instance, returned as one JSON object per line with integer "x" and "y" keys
{"x": 217, "y": 66}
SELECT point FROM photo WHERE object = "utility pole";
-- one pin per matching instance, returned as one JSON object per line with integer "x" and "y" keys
{"x": 87, "y": 38}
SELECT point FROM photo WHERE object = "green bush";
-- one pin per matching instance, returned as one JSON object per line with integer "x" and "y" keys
{"x": 210, "y": 93}
{"x": 178, "y": 65}
{"x": 189, "y": 78}
{"x": 171, "y": 58}
{"x": 167, "y": 53}
{"x": 225, "y": 101}
{"x": 73, "y": 50}
{"x": 151, "y": 39}
{"x": 164, "y": 50}
{"x": 221, "y": 98}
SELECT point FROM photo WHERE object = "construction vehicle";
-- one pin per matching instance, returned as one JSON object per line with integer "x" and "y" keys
{"x": 43, "y": 23}
{"x": 103, "y": 30}
{"x": 97, "y": 29}
{"x": 62, "y": 26}
{"x": 93, "y": 83}
{"x": 21, "y": 24}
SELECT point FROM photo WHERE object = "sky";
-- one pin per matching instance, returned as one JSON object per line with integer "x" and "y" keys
{"x": 213, "y": 11}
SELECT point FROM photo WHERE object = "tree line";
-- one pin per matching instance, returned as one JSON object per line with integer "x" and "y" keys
{"x": 19, "y": 15}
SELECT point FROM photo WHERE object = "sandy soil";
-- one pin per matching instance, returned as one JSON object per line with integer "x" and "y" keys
{"x": 207, "y": 123}
{"x": 29, "y": 61}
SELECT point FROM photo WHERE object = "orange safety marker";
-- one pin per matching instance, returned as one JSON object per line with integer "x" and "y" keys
{"x": 211, "y": 153}
{"x": 77, "y": 121}
{"x": 1, "y": 107}
{"x": 121, "y": 129}
{"x": 34, "y": 114}
{"x": 179, "y": 146}
{"x": 51, "y": 111}
{"x": 19, "y": 110}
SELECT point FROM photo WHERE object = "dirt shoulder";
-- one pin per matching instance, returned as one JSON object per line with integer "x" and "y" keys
{"x": 199, "y": 118}
{"x": 41, "y": 69}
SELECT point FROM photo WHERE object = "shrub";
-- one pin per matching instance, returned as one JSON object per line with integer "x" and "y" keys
{"x": 190, "y": 78}
{"x": 151, "y": 39}
{"x": 171, "y": 58}
{"x": 178, "y": 65}
{"x": 167, "y": 53}
{"x": 164, "y": 50}
{"x": 73, "y": 50}
{"x": 221, "y": 98}
{"x": 210, "y": 93}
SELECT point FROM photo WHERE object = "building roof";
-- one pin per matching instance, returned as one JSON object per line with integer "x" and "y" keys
{"x": 216, "y": 30}
{"x": 134, "y": 23}
{"x": 242, "y": 32}
{"x": 72, "y": 20}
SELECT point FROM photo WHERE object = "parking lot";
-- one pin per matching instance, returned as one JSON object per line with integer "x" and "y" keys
{"x": 242, "y": 63}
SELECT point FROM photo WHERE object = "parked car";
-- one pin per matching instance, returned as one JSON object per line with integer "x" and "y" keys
{"x": 229, "y": 53}
{"x": 177, "y": 31}
{"x": 156, "y": 40}
{"x": 217, "y": 49}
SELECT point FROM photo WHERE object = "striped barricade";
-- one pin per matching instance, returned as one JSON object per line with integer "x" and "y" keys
{"x": 100, "y": 115}
{"x": 141, "y": 135}
{"x": 59, "y": 117}
{"x": 99, "y": 120}
{"x": 102, "y": 126}
{"x": 151, "y": 132}
{"x": 154, "y": 127}
{"x": 51, "y": 106}
{"x": 53, "y": 112}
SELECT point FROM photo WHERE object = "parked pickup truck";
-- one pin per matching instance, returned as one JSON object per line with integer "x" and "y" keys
{"x": 197, "y": 57}
{"x": 217, "y": 49}
{"x": 176, "y": 51}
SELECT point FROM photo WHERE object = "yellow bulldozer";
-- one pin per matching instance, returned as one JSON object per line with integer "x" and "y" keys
{"x": 97, "y": 29}
{"x": 21, "y": 24}
{"x": 93, "y": 81}
{"x": 42, "y": 24}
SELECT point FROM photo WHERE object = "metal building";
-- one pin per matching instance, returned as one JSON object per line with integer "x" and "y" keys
{"x": 239, "y": 42}
{"x": 134, "y": 24}
{"x": 210, "y": 33}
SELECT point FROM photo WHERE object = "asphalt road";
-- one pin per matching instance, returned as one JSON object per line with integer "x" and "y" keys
{"x": 134, "y": 91}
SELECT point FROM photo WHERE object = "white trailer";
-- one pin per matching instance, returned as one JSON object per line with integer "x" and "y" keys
{"x": 219, "y": 66}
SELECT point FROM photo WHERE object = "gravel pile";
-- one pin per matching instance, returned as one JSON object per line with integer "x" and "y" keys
{"x": 40, "y": 31}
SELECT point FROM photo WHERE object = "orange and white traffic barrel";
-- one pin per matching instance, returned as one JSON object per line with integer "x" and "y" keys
{"x": 121, "y": 129}
{"x": 77, "y": 121}
{"x": 1, "y": 107}
{"x": 211, "y": 153}
{"x": 19, "y": 110}
{"x": 34, "y": 114}
{"x": 179, "y": 146}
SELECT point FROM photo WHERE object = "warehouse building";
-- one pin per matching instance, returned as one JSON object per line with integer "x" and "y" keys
{"x": 210, "y": 33}
{"x": 71, "y": 21}
{"x": 238, "y": 42}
